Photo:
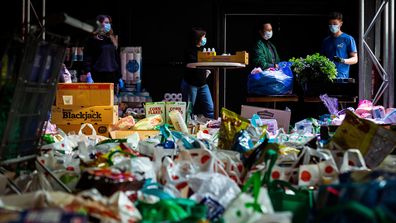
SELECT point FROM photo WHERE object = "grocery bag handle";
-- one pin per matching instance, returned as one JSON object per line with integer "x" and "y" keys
{"x": 90, "y": 126}
{"x": 314, "y": 153}
{"x": 275, "y": 184}
{"x": 345, "y": 160}
{"x": 255, "y": 181}
{"x": 271, "y": 156}
{"x": 283, "y": 184}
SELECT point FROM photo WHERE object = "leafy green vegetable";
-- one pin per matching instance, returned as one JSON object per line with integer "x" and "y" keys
{"x": 314, "y": 67}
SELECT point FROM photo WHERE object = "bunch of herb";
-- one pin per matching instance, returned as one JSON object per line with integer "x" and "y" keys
{"x": 314, "y": 67}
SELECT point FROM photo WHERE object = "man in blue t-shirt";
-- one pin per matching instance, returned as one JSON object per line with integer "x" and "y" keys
{"x": 339, "y": 47}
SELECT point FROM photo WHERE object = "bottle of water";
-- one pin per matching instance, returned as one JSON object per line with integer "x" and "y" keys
{"x": 214, "y": 51}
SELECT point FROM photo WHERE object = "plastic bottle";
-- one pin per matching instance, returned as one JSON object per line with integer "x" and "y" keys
{"x": 89, "y": 78}
{"x": 324, "y": 140}
{"x": 214, "y": 51}
{"x": 209, "y": 52}
{"x": 178, "y": 122}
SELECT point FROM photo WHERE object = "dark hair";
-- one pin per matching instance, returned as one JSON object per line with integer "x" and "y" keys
{"x": 196, "y": 35}
{"x": 335, "y": 15}
{"x": 101, "y": 18}
{"x": 261, "y": 25}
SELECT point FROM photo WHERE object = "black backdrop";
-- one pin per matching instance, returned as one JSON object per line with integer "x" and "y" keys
{"x": 160, "y": 27}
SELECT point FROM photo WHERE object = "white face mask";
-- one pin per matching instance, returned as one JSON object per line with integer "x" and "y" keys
{"x": 267, "y": 35}
{"x": 334, "y": 28}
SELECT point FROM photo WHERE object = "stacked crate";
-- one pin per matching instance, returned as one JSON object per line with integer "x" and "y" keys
{"x": 79, "y": 103}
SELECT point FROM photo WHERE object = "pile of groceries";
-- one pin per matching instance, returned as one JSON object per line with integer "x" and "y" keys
{"x": 171, "y": 167}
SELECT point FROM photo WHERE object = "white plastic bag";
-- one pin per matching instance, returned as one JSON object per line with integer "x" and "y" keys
{"x": 323, "y": 171}
{"x": 88, "y": 140}
{"x": 352, "y": 161}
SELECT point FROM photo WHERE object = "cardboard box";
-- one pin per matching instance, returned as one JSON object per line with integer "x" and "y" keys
{"x": 101, "y": 129}
{"x": 283, "y": 117}
{"x": 79, "y": 115}
{"x": 83, "y": 94}
{"x": 240, "y": 57}
{"x": 175, "y": 105}
{"x": 155, "y": 108}
{"x": 143, "y": 134}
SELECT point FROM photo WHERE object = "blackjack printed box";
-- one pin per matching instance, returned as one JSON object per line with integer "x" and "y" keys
{"x": 79, "y": 115}
{"x": 84, "y": 94}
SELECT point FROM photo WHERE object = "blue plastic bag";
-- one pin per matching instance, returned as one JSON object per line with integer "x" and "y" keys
{"x": 272, "y": 81}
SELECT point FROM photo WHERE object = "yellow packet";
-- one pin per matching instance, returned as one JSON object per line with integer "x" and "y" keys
{"x": 231, "y": 124}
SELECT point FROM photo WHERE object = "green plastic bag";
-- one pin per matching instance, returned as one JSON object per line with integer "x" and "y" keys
{"x": 300, "y": 203}
{"x": 172, "y": 210}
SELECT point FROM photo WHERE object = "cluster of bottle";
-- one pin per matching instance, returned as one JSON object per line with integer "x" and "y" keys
{"x": 210, "y": 52}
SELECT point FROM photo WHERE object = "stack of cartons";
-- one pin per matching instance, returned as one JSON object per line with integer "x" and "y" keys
{"x": 79, "y": 103}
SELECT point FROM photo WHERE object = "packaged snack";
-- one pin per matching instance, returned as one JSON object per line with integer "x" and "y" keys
{"x": 108, "y": 181}
{"x": 155, "y": 108}
{"x": 231, "y": 124}
{"x": 175, "y": 105}
{"x": 149, "y": 123}
{"x": 124, "y": 124}
{"x": 178, "y": 121}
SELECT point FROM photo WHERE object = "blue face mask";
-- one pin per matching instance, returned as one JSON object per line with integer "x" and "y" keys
{"x": 334, "y": 28}
{"x": 203, "y": 41}
{"x": 107, "y": 27}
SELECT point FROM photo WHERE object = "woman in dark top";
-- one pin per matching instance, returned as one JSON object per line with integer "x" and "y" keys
{"x": 101, "y": 57}
{"x": 194, "y": 87}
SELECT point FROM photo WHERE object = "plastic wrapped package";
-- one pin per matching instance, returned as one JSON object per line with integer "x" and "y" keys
{"x": 125, "y": 123}
{"x": 108, "y": 181}
{"x": 139, "y": 165}
{"x": 271, "y": 81}
{"x": 231, "y": 124}
{"x": 213, "y": 188}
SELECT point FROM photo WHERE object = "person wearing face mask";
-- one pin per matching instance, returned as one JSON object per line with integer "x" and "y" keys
{"x": 194, "y": 86}
{"x": 339, "y": 46}
{"x": 264, "y": 52}
{"x": 101, "y": 60}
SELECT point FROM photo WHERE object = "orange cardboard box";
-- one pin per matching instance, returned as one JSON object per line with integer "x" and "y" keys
{"x": 79, "y": 115}
{"x": 83, "y": 94}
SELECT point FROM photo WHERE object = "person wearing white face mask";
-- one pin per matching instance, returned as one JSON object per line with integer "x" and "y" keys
{"x": 101, "y": 56}
{"x": 194, "y": 87}
{"x": 339, "y": 46}
{"x": 264, "y": 53}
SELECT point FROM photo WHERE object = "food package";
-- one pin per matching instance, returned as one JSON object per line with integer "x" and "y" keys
{"x": 155, "y": 108}
{"x": 123, "y": 124}
{"x": 231, "y": 124}
{"x": 108, "y": 181}
{"x": 173, "y": 105}
{"x": 149, "y": 123}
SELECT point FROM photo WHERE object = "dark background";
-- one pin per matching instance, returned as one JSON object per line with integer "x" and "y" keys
{"x": 160, "y": 27}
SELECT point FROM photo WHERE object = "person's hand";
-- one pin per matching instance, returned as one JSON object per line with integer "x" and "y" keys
{"x": 276, "y": 66}
{"x": 338, "y": 59}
